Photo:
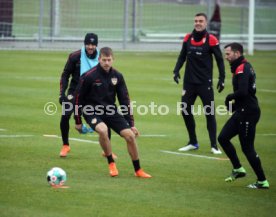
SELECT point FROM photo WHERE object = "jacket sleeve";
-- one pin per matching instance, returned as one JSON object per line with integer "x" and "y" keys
{"x": 67, "y": 72}
{"x": 124, "y": 100}
{"x": 243, "y": 82}
{"x": 219, "y": 59}
{"x": 181, "y": 58}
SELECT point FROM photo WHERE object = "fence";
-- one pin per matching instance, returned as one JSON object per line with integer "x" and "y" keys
{"x": 128, "y": 21}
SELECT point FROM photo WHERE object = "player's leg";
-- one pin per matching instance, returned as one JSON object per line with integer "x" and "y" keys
{"x": 129, "y": 137}
{"x": 230, "y": 130}
{"x": 104, "y": 141}
{"x": 132, "y": 148}
{"x": 206, "y": 94}
{"x": 187, "y": 102}
{"x": 109, "y": 136}
{"x": 120, "y": 126}
{"x": 67, "y": 111}
{"x": 98, "y": 125}
{"x": 247, "y": 131}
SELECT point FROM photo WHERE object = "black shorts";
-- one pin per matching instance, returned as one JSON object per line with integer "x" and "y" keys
{"x": 116, "y": 121}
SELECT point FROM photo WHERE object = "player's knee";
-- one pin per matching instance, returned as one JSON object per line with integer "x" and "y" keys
{"x": 186, "y": 113}
{"x": 210, "y": 117}
{"x": 221, "y": 139}
{"x": 128, "y": 135}
{"x": 102, "y": 129}
{"x": 248, "y": 150}
{"x": 65, "y": 118}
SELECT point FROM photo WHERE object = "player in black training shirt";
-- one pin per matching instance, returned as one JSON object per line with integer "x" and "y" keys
{"x": 245, "y": 117}
{"x": 197, "y": 50}
{"x": 97, "y": 95}
{"x": 78, "y": 63}
{"x": 72, "y": 72}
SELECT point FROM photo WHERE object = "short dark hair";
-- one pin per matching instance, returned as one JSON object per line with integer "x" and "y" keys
{"x": 201, "y": 14}
{"x": 106, "y": 51}
{"x": 235, "y": 47}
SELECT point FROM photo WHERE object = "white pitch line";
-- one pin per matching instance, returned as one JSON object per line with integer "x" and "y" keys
{"x": 83, "y": 140}
{"x": 2, "y": 129}
{"x": 14, "y": 136}
{"x": 73, "y": 139}
{"x": 153, "y": 135}
{"x": 266, "y": 134}
{"x": 265, "y": 90}
{"x": 143, "y": 135}
{"x": 51, "y": 136}
{"x": 193, "y": 155}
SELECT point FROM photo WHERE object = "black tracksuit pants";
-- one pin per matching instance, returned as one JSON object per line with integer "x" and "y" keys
{"x": 64, "y": 122}
{"x": 244, "y": 125}
{"x": 206, "y": 94}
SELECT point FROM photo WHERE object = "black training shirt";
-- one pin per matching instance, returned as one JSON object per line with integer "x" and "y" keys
{"x": 199, "y": 60}
{"x": 100, "y": 88}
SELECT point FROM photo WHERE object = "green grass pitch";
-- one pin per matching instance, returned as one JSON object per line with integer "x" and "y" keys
{"x": 181, "y": 185}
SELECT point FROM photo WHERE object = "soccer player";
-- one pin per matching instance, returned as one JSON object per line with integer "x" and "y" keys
{"x": 245, "y": 118}
{"x": 197, "y": 50}
{"x": 96, "y": 97}
{"x": 77, "y": 64}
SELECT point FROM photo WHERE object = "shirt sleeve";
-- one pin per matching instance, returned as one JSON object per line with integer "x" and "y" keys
{"x": 67, "y": 72}
{"x": 124, "y": 100}
{"x": 182, "y": 56}
{"x": 219, "y": 59}
{"x": 243, "y": 82}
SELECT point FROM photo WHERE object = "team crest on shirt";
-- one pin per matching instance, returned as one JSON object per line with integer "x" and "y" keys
{"x": 114, "y": 81}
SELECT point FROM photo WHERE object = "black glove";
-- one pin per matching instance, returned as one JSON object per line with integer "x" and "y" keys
{"x": 220, "y": 86}
{"x": 62, "y": 98}
{"x": 176, "y": 77}
{"x": 228, "y": 100}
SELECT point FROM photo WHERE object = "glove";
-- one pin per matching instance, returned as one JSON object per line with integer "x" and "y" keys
{"x": 220, "y": 86}
{"x": 228, "y": 99}
{"x": 176, "y": 77}
{"x": 62, "y": 98}
{"x": 85, "y": 130}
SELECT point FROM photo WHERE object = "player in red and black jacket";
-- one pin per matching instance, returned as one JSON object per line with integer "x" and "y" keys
{"x": 96, "y": 97}
{"x": 245, "y": 118}
{"x": 71, "y": 73}
{"x": 197, "y": 50}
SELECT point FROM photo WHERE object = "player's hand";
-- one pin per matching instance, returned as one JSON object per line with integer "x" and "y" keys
{"x": 220, "y": 86}
{"x": 176, "y": 77}
{"x": 78, "y": 127}
{"x": 135, "y": 131}
{"x": 228, "y": 100}
{"x": 62, "y": 98}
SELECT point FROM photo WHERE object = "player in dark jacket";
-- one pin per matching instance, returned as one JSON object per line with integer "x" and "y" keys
{"x": 197, "y": 50}
{"x": 245, "y": 118}
{"x": 78, "y": 63}
{"x": 96, "y": 98}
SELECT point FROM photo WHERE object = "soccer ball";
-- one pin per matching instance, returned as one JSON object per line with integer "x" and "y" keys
{"x": 56, "y": 176}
